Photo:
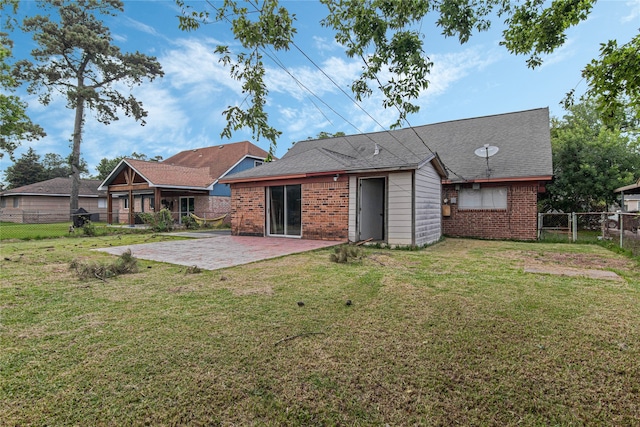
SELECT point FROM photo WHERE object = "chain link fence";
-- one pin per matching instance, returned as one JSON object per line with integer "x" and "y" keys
{"x": 59, "y": 223}
{"x": 621, "y": 228}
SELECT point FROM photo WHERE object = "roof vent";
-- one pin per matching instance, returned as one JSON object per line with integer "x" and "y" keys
{"x": 376, "y": 150}
{"x": 220, "y": 147}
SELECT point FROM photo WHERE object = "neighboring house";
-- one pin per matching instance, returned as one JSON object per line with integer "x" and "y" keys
{"x": 630, "y": 197}
{"x": 49, "y": 201}
{"x": 403, "y": 187}
{"x": 187, "y": 182}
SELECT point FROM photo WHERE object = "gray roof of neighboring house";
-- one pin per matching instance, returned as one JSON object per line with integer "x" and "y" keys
{"x": 56, "y": 187}
{"x": 523, "y": 140}
{"x": 629, "y": 189}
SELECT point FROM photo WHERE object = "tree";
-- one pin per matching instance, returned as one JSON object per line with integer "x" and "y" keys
{"x": 590, "y": 160}
{"x": 29, "y": 169}
{"x": 15, "y": 125}
{"x": 25, "y": 170}
{"x": 57, "y": 167}
{"x": 77, "y": 58}
{"x": 613, "y": 80}
{"x": 325, "y": 135}
{"x": 384, "y": 35}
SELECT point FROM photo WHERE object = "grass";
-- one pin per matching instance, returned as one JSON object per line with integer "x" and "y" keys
{"x": 12, "y": 230}
{"x": 453, "y": 334}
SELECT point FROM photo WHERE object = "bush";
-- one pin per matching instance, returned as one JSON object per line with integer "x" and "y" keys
{"x": 189, "y": 222}
{"x": 158, "y": 221}
{"x": 89, "y": 229}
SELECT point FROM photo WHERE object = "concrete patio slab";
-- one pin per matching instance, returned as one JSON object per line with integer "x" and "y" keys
{"x": 219, "y": 251}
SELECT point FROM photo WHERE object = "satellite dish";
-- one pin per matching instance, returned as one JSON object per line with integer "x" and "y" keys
{"x": 486, "y": 151}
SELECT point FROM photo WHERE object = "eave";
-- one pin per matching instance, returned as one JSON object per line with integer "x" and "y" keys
{"x": 502, "y": 179}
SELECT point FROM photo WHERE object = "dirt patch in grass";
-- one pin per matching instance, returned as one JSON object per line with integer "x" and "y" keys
{"x": 530, "y": 267}
{"x": 579, "y": 260}
{"x": 591, "y": 265}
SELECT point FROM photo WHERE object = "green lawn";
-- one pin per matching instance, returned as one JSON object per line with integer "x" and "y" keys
{"x": 12, "y": 230}
{"x": 453, "y": 334}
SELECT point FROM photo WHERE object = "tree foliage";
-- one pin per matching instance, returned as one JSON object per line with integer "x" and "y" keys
{"x": 385, "y": 35}
{"x": 29, "y": 168}
{"x": 15, "y": 124}
{"x": 590, "y": 160}
{"x": 614, "y": 80}
{"x": 26, "y": 170}
{"x": 76, "y": 58}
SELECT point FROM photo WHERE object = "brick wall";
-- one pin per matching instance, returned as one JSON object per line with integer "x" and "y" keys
{"x": 213, "y": 206}
{"x": 247, "y": 210}
{"x": 519, "y": 221}
{"x": 325, "y": 208}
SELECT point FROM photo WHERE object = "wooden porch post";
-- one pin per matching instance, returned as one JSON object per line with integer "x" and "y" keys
{"x": 156, "y": 198}
{"x": 131, "y": 207}
{"x": 109, "y": 207}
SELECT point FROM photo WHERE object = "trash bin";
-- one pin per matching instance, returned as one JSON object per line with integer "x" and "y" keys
{"x": 80, "y": 216}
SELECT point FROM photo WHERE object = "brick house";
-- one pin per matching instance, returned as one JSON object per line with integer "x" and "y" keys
{"x": 188, "y": 182}
{"x": 477, "y": 177}
{"x": 48, "y": 201}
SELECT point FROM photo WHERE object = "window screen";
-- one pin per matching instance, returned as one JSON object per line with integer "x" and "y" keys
{"x": 483, "y": 198}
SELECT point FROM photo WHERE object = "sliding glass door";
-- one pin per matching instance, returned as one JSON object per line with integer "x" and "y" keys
{"x": 285, "y": 210}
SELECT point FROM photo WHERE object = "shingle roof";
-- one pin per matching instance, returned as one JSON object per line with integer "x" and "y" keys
{"x": 159, "y": 174}
{"x": 198, "y": 168}
{"x": 219, "y": 158}
{"x": 523, "y": 140}
{"x": 57, "y": 187}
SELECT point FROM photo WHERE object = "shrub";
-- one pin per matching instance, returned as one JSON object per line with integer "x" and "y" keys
{"x": 158, "y": 221}
{"x": 89, "y": 229}
{"x": 189, "y": 222}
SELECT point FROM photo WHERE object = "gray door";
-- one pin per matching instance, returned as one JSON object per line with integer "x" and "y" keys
{"x": 372, "y": 208}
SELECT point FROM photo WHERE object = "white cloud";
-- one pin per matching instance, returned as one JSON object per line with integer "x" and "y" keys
{"x": 634, "y": 13}
{"x": 452, "y": 67}
{"x": 561, "y": 54}
{"x": 325, "y": 45}
{"x": 137, "y": 25}
{"x": 192, "y": 66}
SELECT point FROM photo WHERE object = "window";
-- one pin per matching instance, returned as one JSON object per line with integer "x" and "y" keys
{"x": 187, "y": 206}
{"x": 126, "y": 202}
{"x": 102, "y": 203}
{"x": 3, "y": 202}
{"x": 285, "y": 209}
{"x": 16, "y": 202}
{"x": 482, "y": 198}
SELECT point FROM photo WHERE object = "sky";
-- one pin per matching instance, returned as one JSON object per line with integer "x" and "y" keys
{"x": 185, "y": 107}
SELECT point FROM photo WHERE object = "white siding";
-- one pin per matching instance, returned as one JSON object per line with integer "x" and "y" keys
{"x": 428, "y": 216}
{"x": 400, "y": 209}
{"x": 353, "y": 204}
